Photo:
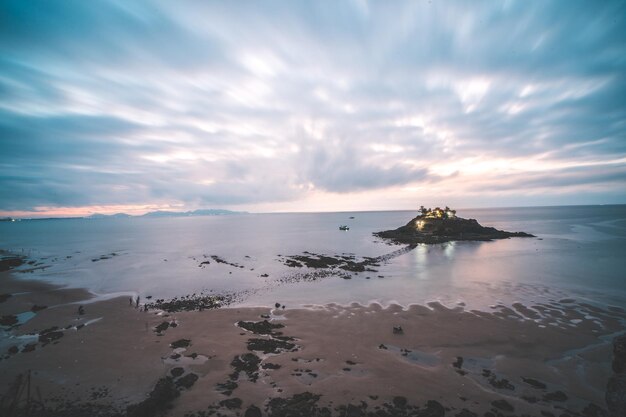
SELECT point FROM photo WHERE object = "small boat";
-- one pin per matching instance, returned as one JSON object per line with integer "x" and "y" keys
{"x": 352, "y": 217}
{"x": 344, "y": 227}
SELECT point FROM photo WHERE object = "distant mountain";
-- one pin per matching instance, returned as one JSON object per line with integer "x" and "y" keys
{"x": 108, "y": 216}
{"x": 204, "y": 212}
{"x": 214, "y": 212}
{"x": 162, "y": 213}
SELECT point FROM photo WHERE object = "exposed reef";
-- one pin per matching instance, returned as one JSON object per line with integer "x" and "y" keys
{"x": 190, "y": 303}
{"x": 10, "y": 262}
{"x": 438, "y": 227}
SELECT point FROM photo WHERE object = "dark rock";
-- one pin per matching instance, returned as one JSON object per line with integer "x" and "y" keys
{"x": 176, "y": 372}
{"x": 220, "y": 260}
{"x": 191, "y": 303}
{"x": 10, "y": 263}
{"x": 271, "y": 345}
{"x": 381, "y": 346}
{"x": 269, "y": 365}
{"x": 592, "y": 410}
{"x": 458, "y": 363}
{"x": 619, "y": 354}
{"x": 8, "y": 320}
{"x": 352, "y": 410}
{"x": 500, "y": 383}
{"x": 534, "y": 383}
{"x": 503, "y": 405}
{"x": 433, "y": 409}
{"x": 300, "y": 405}
{"x": 430, "y": 230}
{"x": 466, "y": 413}
{"x": 227, "y": 387}
{"x": 181, "y": 343}
{"x": 253, "y": 411}
{"x": 187, "y": 381}
{"x": 616, "y": 395}
{"x": 37, "y": 308}
{"x": 231, "y": 403}
{"x": 29, "y": 347}
{"x": 398, "y": 330}
{"x": 162, "y": 327}
{"x": 317, "y": 261}
{"x": 247, "y": 363}
{"x": 555, "y": 396}
{"x": 162, "y": 395}
{"x": 399, "y": 401}
{"x": 261, "y": 327}
{"x": 50, "y": 335}
{"x": 13, "y": 350}
{"x": 530, "y": 399}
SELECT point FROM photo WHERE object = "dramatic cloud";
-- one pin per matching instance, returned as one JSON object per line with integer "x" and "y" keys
{"x": 118, "y": 105}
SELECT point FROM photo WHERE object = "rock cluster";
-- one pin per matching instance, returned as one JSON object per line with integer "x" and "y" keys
{"x": 422, "y": 229}
{"x": 616, "y": 387}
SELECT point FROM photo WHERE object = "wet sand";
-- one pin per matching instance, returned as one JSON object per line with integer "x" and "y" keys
{"x": 538, "y": 360}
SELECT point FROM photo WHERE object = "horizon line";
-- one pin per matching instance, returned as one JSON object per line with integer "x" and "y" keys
{"x": 236, "y": 212}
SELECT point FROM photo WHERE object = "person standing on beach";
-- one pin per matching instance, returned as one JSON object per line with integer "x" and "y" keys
{"x": 130, "y": 301}
{"x": 137, "y": 303}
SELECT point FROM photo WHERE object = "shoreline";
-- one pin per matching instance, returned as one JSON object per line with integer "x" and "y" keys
{"x": 429, "y": 264}
{"x": 329, "y": 358}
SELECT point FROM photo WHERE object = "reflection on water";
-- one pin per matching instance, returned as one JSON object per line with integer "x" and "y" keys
{"x": 421, "y": 255}
{"x": 579, "y": 252}
{"x": 448, "y": 249}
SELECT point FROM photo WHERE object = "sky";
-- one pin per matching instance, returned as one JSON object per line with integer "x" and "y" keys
{"x": 133, "y": 106}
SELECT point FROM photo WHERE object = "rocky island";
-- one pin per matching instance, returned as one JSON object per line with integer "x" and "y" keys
{"x": 442, "y": 225}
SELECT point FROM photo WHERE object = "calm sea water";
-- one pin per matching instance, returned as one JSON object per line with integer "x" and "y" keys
{"x": 580, "y": 252}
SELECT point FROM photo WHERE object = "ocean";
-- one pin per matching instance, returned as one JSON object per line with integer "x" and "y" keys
{"x": 579, "y": 252}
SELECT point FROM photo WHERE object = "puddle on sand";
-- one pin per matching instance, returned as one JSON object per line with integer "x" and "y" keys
{"x": 19, "y": 341}
{"x": 476, "y": 365}
{"x": 24, "y": 317}
{"x": 20, "y": 318}
{"x": 417, "y": 357}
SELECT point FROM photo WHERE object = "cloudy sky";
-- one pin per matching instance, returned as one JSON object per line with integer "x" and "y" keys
{"x": 109, "y": 106}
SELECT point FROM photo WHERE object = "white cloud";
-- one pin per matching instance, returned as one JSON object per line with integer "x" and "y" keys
{"x": 293, "y": 104}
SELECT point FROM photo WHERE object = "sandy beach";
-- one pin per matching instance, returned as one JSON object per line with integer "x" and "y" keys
{"x": 552, "y": 359}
